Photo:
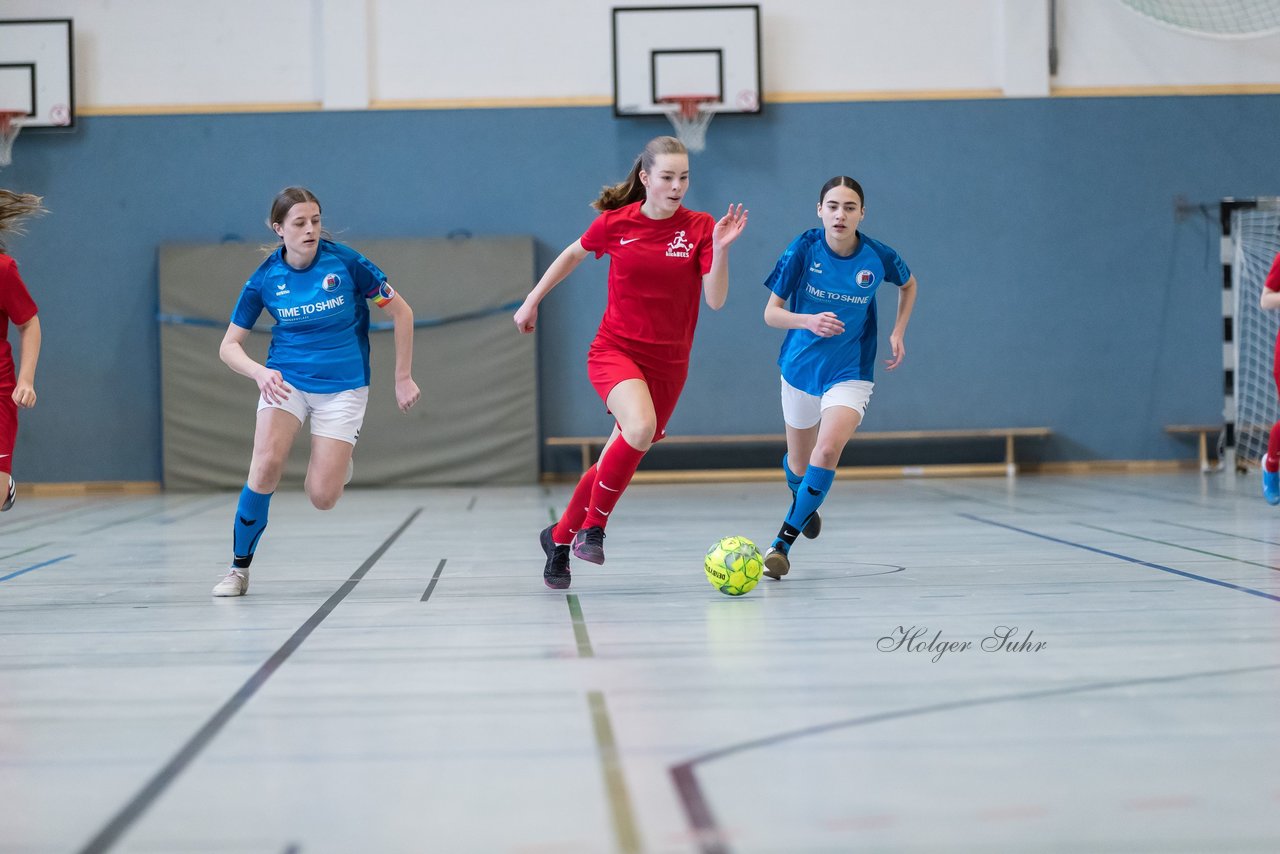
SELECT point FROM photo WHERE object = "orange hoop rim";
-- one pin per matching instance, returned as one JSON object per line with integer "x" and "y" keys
{"x": 688, "y": 105}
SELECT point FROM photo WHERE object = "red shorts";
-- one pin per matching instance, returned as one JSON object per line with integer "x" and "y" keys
{"x": 8, "y": 428}
{"x": 1275, "y": 363}
{"x": 606, "y": 367}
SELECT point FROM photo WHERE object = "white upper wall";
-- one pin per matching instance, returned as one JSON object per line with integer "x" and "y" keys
{"x": 1103, "y": 43}
{"x": 133, "y": 53}
{"x": 137, "y": 55}
{"x": 492, "y": 49}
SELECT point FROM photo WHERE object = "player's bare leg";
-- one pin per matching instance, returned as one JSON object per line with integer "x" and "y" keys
{"x": 327, "y": 471}
{"x": 800, "y": 444}
{"x": 836, "y": 428}
{"x": 632, "y": 406}
{"x": 272, "y": 440}
{"x": 834, "y": 431}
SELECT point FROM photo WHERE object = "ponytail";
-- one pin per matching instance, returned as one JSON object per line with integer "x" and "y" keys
{"x": 15, "y": 207}
{"x": 632, "y": 189}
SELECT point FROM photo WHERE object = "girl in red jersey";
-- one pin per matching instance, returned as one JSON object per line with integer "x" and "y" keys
{"x": 16, "y": 305}
{"x": 663, "y": 258}
{"x": 1271, "y": 463}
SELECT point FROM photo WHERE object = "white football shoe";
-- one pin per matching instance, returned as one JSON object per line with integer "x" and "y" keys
{"x": 234, "y": 583}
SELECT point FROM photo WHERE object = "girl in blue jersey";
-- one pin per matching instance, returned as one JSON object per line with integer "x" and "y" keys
{"x": 317, "y": 366}
{"x": 823, "y": 292}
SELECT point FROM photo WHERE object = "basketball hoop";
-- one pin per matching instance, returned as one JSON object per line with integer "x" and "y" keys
{"x": 10, "y": 124}
{"x": 690, "y": 115}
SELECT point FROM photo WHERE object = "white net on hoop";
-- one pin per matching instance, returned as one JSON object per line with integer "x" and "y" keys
{"x": 690, "y": 117}
{"x": 10, "y": 124}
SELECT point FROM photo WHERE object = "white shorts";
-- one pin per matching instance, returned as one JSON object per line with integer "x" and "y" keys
{"x": 334, "y": 416}
{"x": 802, "y": 410}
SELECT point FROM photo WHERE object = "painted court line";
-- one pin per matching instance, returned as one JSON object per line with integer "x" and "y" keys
{"x": 711, "y": 837}
{"x": 624, "y": 823}
{"x": 1220, "y": 533}
{"x": 80, "y": 508}
{"x": 133, "y": 810}
{"x": 211, "y": 504}
{"x": 1178, "y": 546}
{"x": 1111, "y": 489}
{"x": 1119, "y": 556}
{"x": 579, "y": 627}
{"x": 154, "y": 512}
{"x": 432, "y": 586}
{"x": 24, "y": 551}
{"x": 615, "y": 782}
{"x": 34, "y": 567}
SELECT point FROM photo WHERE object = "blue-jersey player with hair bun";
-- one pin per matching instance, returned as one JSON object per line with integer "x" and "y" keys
{"x": 317, "y": 367}
{"x": 823, "y": 291}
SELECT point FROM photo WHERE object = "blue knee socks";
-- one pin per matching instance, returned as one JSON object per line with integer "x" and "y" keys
{"x": 809, "y": 496}
{"x": 793, "y": 480}
{"x": 251, "y": 519}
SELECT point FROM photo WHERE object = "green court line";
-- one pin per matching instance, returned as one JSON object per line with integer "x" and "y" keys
{"x": 24, "y": 551}
{"x": 615, "y": 783}
{"x": 1177, "y": 546}
{"x": 579, "y": 627}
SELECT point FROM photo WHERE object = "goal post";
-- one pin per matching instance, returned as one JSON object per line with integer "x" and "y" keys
{"x": 1250, "y": 243}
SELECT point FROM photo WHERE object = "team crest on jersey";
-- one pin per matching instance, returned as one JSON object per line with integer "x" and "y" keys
{"x": 865, "y": 278}
{"x": 331, "y": 282}
{"x": 679, "y": 247}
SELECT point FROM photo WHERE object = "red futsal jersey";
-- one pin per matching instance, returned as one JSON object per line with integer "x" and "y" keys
{"x": 16, "y": 305}
{"x": 655, "y": 283}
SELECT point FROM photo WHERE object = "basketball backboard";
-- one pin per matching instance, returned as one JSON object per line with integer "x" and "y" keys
{"x": 663, "y": 53}
{"x": 35, "y": 72}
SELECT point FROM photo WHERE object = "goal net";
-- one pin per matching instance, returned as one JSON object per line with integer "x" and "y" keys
{"x": 1254, "y": 244}
{"x": 1216, "y": 18}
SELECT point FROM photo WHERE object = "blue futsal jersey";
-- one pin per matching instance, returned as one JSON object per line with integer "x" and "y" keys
{"x": 813, "y": 279}
{"x": 320, "y": 341}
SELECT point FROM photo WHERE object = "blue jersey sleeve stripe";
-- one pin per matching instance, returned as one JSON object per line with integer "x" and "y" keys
{"x": 367, "y": 276}
{"x": 787, "y": 272}
{"x": 248, "y": 306}
{"x": 895, "y": 269}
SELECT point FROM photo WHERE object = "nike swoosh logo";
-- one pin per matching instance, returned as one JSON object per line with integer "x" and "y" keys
{"x": 624, "y": 241}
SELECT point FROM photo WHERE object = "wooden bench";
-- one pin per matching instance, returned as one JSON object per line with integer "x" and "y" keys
{"x": 589, "y": 447}
{"x": 1203, "y": 431}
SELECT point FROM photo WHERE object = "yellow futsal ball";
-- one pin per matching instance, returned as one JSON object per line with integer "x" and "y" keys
{"x": 734, "y": 565}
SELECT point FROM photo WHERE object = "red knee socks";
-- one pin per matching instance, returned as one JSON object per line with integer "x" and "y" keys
{"x": 576, "y": 510}
{"x": 1272, "y": 461}
{"x": 613, "y": 473}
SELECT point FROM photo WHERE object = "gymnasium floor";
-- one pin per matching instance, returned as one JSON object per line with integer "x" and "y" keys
{"x": 399, "y": 680}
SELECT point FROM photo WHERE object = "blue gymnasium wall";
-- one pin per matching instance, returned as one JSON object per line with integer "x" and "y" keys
{"x": 1057, "y": 285}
